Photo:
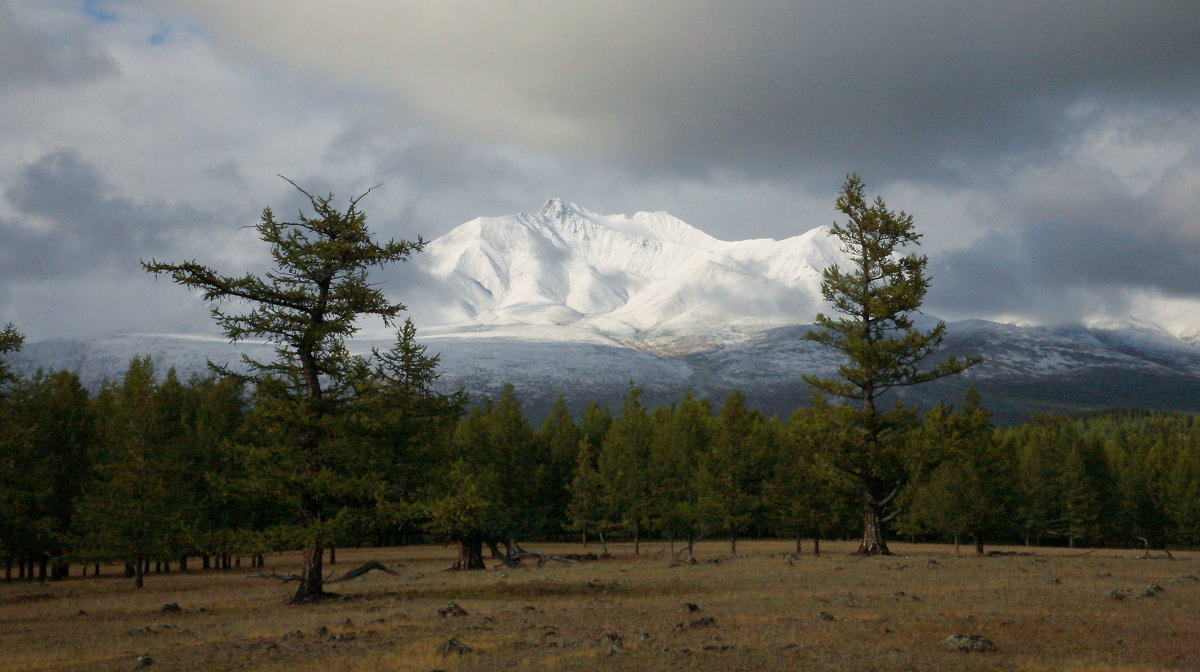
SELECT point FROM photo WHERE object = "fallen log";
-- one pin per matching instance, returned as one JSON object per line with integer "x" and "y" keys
{"x": 274, "y": 575}
{"x": 355, "y": 573}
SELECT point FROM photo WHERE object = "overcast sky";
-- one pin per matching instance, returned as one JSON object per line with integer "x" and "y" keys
{"x": 1050, "y": 151}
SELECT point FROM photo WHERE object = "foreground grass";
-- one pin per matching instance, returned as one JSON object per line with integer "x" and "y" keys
{"x": 768, "y": 611}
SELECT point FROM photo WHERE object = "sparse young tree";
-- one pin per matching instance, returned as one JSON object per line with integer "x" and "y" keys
{"x": 624, "y": 466}
{"x": 307, "y": 306}
{"x": 731, "y": 471}
{"x": 877, "y": 297}
{"x": 557, "y": 442}
{"x": 10, "y": 341}
{"x": 129, "y": 510}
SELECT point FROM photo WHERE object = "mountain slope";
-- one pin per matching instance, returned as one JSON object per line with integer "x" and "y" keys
{"x": 569, "y": 302}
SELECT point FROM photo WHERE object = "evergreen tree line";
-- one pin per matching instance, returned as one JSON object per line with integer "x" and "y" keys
{"x": 152, "y": 471}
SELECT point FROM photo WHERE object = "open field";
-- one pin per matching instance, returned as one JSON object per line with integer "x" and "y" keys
{"x": 1051, "y": 611}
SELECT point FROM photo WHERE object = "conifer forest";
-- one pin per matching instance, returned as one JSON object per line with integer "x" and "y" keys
{"x": 320, "y": 450}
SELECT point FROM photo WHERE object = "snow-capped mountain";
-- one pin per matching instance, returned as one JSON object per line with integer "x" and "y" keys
{"x": 569, "y": 302}
{"x": 648, "y": 276}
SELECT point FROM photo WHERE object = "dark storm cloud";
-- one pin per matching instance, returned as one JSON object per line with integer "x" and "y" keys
{"x": 30, "y": 56}
{"x": 69, "y": 222}
{"x": 928, "y": 89}
{"x": 1077, "y": 246}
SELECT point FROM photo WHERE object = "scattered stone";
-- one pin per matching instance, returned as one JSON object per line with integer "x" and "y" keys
{"x": 705, "y": 622}
{"x": 346, "y": 622}
{"x": 971, "y": 643}
{"x": 643, "y": 635}
{"x": 81, "y": 612}
{"x": 451, "y": 609}
{"x": 1103, "y": 575}
{"x": 1116, "y": 595}
{"x": 1054, "y": 580}
{"x": 344, "y": 637}
{"x": 825, "y": 616}
{"x": 202, "y": 610}
{"x": 930, "y": 562}
{"x": 322, "y": 631}
{"x": 144, "y": 630}
{"x": 614, "y": 641}
{"x": 293, "y": 634}
{"x": 1152, "y": 590}
{"x": 144, "y": 661}
{"x": 270, "y": 646}
{"x": 171, "y": 608}
{"x": 667, "y": 649}
{"x": 688, "y": 606}
{"x": 165, "y": 626}
{"x": 604, "y": 587}
{"x": 1186, "y": 578}
{"x": 718, "y": 647}
{"x": 453, "y": 646}
{"x": 901, "y": 596}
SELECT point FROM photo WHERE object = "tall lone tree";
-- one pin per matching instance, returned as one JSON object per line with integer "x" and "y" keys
{"x": 307, "y": 306}
{"x": 876, "y": 296}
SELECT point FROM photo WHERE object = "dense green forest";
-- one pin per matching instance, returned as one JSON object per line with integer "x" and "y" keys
{"x": 319, "y": 449}
{"x": 156, "y": 472}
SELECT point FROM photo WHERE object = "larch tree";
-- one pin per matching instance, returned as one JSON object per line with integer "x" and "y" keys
{"x": 624, "y": 465}
{"x": 306, "y": 306}
{"x": 876, "y": 296}
{"x": 129, "y": 508}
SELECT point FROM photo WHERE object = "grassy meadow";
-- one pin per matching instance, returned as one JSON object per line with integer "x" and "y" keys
{"x": 763, "y": 610}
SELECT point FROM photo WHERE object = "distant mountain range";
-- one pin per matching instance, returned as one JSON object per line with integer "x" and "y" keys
{"x": 567, "y": 301}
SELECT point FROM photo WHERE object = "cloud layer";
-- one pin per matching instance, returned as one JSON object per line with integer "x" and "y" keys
{"x": 1049, "y": 150}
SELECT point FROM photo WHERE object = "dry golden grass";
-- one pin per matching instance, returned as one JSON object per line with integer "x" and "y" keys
{"x": 887, "y": 614}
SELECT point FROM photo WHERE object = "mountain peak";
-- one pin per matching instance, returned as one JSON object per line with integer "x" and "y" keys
{"x": 556, "y": 209}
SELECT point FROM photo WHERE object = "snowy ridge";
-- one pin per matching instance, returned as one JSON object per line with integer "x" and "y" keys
{"x": 640, "y": 276}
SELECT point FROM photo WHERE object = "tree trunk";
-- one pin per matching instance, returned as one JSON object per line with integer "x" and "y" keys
{"x": 183, "y": 563}
{"x": 332, "y": 555}
{"x": 732, "y": 540}
{"x": 978, "y": 545}
{"x": 96, "y": 569}
{"x": 957, "y": 554}
{"x": 817, "y": 545}
{"x": 637, "y": 541}
{"x": 8, "y": 562}
{"x": 42, "y": 562}
{"x": 799, "y": 538}
{"x": 470, "y": 553}
{"x": 585, "y": 539}
{"x": 873, "y": 542}
{"x": 139, "y": 573}
{"x": 312, "y": 586}
{"x": 205, "y": 562}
